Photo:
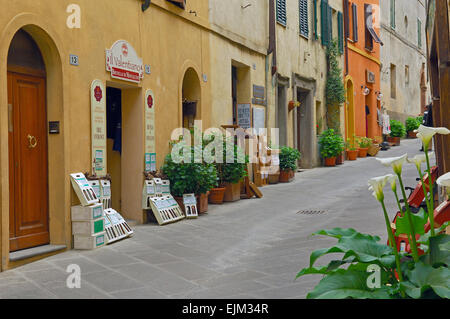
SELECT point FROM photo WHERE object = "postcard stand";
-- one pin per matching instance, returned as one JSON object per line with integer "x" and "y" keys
{"x": 83, "y": 189}
{"x": 148, "y": 191}
{"x": 166, "y": 209}
{"x": 105, "y": 193}
{"x": 190, "y": 206}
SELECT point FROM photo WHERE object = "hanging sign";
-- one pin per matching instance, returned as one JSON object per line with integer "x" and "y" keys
{"x": 150, "y": 145}
{"x": 98, "y": 128}
{"x": 123, "y": 62}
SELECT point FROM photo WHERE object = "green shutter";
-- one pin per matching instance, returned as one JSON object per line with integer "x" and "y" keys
{"x": 393, "y": 14}
{"x": 315, "y": 20}
{"x": 330, "y": 24}
{"x": 281, "y": 12}
{"x": 324, "y": 22}
{"x": 340, "y": 32}
{"x": 303, "y": 17}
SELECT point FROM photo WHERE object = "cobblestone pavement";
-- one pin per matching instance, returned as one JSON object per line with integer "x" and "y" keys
{"x": 248, "y": 249}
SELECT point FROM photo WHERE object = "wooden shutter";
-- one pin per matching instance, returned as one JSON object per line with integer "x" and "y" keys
{"x": 368, "y": 19}
{"x": 303, "y": 17}
{"x": 340, "y": 32}
{"x": 316, "y": 36}
{"x": 355, "y": 22}
{"x": 393, "y": 14}
{"x": 330, "y": 24}
{"x": 324, "y": 22}
{"x": 419, "y": 33}
{"x": 281, "y": 12}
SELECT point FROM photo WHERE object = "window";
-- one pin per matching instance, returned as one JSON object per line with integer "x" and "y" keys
{"x": 393, "y": 14}
{"x": 355, "y": 22}
{"x": 316, "y": 31}
{"x": 419, "y": 33}
{"x": 179, "y": 3}
{"x": 393, "y": 81}
{"x": 370, "y": 33}
{"x": 281, "y": 12}
{"x": 406, "y": 75}
{"x": 340, "y": 22}
{"x": 303, "y": 18}
{"x": 326, "y": 22}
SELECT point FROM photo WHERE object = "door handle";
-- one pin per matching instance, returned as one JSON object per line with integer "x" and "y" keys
{"x": 32, "y": 141}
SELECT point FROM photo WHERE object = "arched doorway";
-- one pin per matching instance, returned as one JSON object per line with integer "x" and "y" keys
{"x": 191, "y": 98}
{"x": 27, "y": 144}
{"x": 350, "y": 110}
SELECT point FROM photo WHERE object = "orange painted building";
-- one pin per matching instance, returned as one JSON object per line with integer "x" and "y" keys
{"x": 362, "y": 68}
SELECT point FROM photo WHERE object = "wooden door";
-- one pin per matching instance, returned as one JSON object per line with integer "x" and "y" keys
{"x": 27, "y": 161}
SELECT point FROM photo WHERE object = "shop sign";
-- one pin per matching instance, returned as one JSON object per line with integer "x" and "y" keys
{"x": 243, "y": 112}
{"x": 150, "y": 145}
{"x": 123, "y": 62}
{"x": 98, "y": 127}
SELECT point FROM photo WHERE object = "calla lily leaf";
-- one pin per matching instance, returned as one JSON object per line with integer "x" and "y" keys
{"x": 438, "y": 255}
{"x": 419, "y": 220}
{"x": 342, "y": 232}
{"x": 423, "y": 278}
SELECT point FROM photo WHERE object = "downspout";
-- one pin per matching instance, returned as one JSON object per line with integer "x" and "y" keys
{"x": 346, "y": 34}
{"x": 271, "y": 50}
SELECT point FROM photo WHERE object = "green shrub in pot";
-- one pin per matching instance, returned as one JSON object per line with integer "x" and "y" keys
{"x": 288, "y": 158}
{"x": 412, "y": 124}
{"x": 397, "y": 129}
{"x": 232, "y": 171}
{"x": 331, "y": 144}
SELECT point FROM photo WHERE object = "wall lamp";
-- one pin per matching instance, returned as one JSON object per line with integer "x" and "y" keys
{"x": 146, "y": 5}
{"x": 365, "y": 90}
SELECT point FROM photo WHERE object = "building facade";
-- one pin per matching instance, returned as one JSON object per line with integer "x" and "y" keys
{"x": 403, "y": 58}
{"x": 303, "y": 31}
{"x": 61, "y": 61}
{"x": 362, "y": 69}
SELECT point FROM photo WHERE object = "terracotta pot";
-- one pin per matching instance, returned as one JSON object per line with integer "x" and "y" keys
{"x": 232, "y": 192}
{"x": 330, "y": 161}
{"x": 362, "y": 152}
{"x": 412, "y": 134}
{"x": 286, "y": 175}
{"x": 180, "y": 202}
{"x": 216, "y": 195}
{"x": 340, "y": 159}
{"x": 394, "y": 140}
{"x": 352, "y": 155}
{"x": 202, "y": 203}
{"x": 274, "y": 178}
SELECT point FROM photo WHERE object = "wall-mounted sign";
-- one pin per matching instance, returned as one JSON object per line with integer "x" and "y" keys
{"x": 123, "y": 62}
{"x": 98, "y": 128}
{"x": 259, "y": 93}
{"x": 74, "y": 60}
{"x": 150, "y": 143}
{"x": 244, "y": 117}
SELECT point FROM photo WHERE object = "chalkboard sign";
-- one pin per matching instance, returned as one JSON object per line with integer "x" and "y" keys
{"x": 244, "y": 117}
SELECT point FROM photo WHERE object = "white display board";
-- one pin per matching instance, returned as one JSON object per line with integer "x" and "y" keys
{"x": 259, "y": 118}
{"x": 98, "y": 128}
{"x": 244, "y": 116}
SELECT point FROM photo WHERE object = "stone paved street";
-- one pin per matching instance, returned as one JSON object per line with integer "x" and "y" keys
{"x": 249, "y": 249}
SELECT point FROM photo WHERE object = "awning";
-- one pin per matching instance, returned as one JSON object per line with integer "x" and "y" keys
{"x": 374, "y": 35}
{"x": 180, "y": 3}
{"x": 369, "y": 25}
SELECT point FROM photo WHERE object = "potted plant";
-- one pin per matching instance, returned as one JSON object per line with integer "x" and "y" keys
{"x": 190, "y": 177}
{"x": 288, "y": 163}
{"x": 352, "y": 150}
{"x": 331, "y": 144}
{"x": 364, "y": 144}
{"x": 398, "y": 130}
{"x": 412, "y": 124}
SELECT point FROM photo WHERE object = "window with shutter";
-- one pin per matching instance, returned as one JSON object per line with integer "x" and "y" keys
{"x": 355, "y": 22}
{"x": 316, "y": 31}
{"x": 340, "y": 32}
{"x": 330, "y": 24}
{"x": 393, "y": 14}
{"x": 419, "y": 33}
{"x": 303, "y": 18}
{"x": 367, "y": 18}
{"x": 281, "y": 12}
{"x": 324, "y": 24}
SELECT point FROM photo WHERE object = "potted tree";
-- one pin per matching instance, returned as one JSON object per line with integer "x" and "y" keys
{"x": 398, "y": 131}
{"x": 364, "y": 144}
{"x": 190, "y": 177}
{"x": 288, "y": 163}
{"x": 331, "y": 144}
{"x": 412, "y": 124}
{"x": 352, "y": 150}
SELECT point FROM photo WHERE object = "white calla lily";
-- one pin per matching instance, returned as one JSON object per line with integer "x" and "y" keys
{"x": 419, "y": 159}
{"x": 444, "y": 180}
{"x": 392, "y": 179}
{"x": 377, "y": 184}
{"x": 426, "y": 133}
{"x": 395, "y": 162}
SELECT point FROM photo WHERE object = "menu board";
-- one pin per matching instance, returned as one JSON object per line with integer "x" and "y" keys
{"x": 98, "y": 128}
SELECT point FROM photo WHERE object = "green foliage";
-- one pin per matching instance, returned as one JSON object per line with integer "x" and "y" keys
{"x": 331, "y": 144}
{"x": 419, "y": 221}
{"x": 334, "y": 87}
{"x": 351, "y": 145}
{"x": 288, "y": 158}
{"x": 397, "y": 129}
{"x": 419, "y": 119}
{"x": 364, "y": 142}
{"x": 234, "y": 170}
{"x": 412, "y": 124}
{"x": 427, "y": 278}
{"x": 187, "y": 178}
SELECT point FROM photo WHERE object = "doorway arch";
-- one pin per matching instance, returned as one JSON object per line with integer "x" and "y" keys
{"x": 191, "y": 98}
{"x": 350, "y": 108}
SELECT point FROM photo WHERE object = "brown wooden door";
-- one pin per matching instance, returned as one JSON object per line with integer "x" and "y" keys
{"x": 27, "y": 161}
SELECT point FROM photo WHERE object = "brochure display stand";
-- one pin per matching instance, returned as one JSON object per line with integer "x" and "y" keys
{"x": 83, "y": 189}
{"x": 106, "y": 193}
{"x": 190, "y": 205}
{"x": 166, "y": 209}
{"x": 116, "y": 227}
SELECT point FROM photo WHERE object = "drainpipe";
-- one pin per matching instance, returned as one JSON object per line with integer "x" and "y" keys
{"x": 272, "y": 36}
{"x": 346, "y": 34}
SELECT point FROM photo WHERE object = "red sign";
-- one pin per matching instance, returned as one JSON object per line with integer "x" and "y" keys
{"x": 150, "y": 101}
{"x": 123, "y": 62}
{"x": 98, "y": 93}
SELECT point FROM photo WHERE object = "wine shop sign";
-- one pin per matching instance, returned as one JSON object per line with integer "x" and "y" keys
{"x": 123, "y": 62}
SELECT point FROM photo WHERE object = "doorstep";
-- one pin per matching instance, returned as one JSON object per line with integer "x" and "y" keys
{"x": 35, "y": 251}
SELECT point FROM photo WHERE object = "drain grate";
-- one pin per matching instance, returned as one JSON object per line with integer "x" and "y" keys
{"x": 312, "y": 212}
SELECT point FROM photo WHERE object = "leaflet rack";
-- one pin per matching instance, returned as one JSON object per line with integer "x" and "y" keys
{"x": 148, "y": 191}
{"x": 115, "y": 226}
{"x": 165, "y": 187}
{"x": 83, "y": 189}
{"x": 105, "y": 193}
{"x": 166, "y": 209}
{"x": 190, "y": 206}
{"x": 95, "y": 184}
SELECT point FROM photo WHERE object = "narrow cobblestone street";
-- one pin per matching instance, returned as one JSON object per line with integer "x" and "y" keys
{"x": 248, "y": 249}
